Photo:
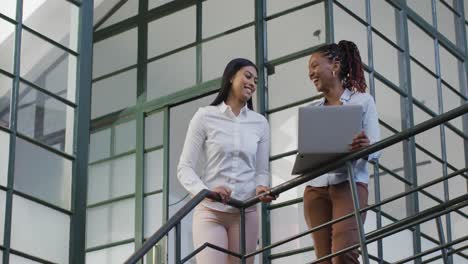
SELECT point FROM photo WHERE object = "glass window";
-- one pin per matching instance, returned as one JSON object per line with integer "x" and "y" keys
{"x": 430, "y": 139}
{"x": 110, "y": 223}
{"x": 129, "y": 9}
{"x": 104, "y": 59}
{"x": 397, "y": 246}
{"x": 171, "y": 74}
{"x": 111, "y": 179}
{"x": 153, "y": 210}
{"x": 457, "y": 185}
{"x": 47, "y": 66}
{"x": 384, "y": 18}
{"x": 154, "y": 170}
{"x": 429, "y": 169}
{"x": 390, "y": 186}
{"x": 180, "y": 117}
{"x": 4, "y": 157}
{"x": 449, "y": 68}
{"x": 386, "y": 59}
{"x": 2, "y": 213}
{"x": 458, "y": 231}
{"x": 388, "y": 105}
{"x": 240, "y": 12}
{"x": 309, "y": 30}
{"x": 40, "y": 231}
{"x": 422, "y": 8}
{"x": 60, "y": 79}
{"x": 218, "y": 52}
{"x": 280, "y": 170}
{"x": 451, "y": 100}
{"x": 7, "y": 44}
{"x": 14, "y": 259}
{"x": 61, "y": 14}
{"x": 446, "y": 21}
{"x": 8, "y": 8}
{"x": 125, "y": 136}
{"x": 171, "y": 32}
{"x": 290, "y": 83}
{"x": 421, "y": 46}
{"x": 285, "y": 222}
{"x": 123, "y": 89}
{"x": 5, "y": 100}
{"x": 358, "y": 7}
{"x": 99, "y": 145}
{"x": 45, "y": 119}
{"x": 283, "y": 129}
{"x": 154, "y": 130}
{"x": 47, "y": 178}
{"x": 348, "y": 28}
{"x": 455, "y": 150}
{"x": 424, "y": 87}
{"x": 156, "y": 3}
{"x": 392, "y": 156}
{"x": 117, "y": 254}
{"x": 275, "y": 6}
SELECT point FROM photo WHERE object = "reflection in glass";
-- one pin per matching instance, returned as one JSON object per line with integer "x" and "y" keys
{"x": 64, "y": 16}
{"x": 47, "y": 178}
{"x": 48, "y": 66}
{"x": 45, "y": 119}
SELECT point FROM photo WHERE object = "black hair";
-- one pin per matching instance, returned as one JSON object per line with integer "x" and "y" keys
{"x": 231, "y": 69}
{"x": 352, "y": 72}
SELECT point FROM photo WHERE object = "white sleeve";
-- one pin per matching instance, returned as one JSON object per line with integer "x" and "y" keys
{"x": 263, "y": 156}
{"x": 192, "y": 149}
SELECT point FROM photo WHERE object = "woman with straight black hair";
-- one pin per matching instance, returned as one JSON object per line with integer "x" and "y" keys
{"x": 336, "y": 71}
{"x": 234, "y": 141}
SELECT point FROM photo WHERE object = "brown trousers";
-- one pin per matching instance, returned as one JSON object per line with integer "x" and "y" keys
{"x": 323, "y": 204}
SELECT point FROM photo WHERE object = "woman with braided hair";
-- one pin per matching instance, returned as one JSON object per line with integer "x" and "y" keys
{"x": 336, "y": 71}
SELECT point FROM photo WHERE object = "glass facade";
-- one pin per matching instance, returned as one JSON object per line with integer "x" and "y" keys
{"x": 154, "y": 62}
{"x": 41, "y": 50}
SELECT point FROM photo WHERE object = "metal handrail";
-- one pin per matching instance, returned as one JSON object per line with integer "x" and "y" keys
{"x": 307, "y": 176}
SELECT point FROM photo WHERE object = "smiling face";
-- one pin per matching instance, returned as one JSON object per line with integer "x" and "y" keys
{"x": 321, "y": 72}
{"x": 244, "y": 83}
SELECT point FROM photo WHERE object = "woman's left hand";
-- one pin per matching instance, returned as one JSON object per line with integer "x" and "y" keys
{"x": 265, "y": 198}
{"x": 359, "y": 141}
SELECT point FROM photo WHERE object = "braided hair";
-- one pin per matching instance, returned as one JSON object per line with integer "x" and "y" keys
{"x": 351, "y": 71}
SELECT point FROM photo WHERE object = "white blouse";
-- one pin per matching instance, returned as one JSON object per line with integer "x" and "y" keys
{"x": 370, "y": 124}
{"x": 234, "y": 151}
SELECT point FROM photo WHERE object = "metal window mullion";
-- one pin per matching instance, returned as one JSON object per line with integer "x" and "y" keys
{"x": 463, "y": 70}
{"x": 262, "y": 105}
{"x": 165, "y": 213}
{"x": 442, "y": 134}
{"x": 13, "y": 127}
{"x": 141, "y": 92}
{"x": 198, "y": 41}
{"x": 409, "y": 146}
{"x": 375, "y": 166}
{"x": 77, "y": 242}
{"x": 329, "y": 23}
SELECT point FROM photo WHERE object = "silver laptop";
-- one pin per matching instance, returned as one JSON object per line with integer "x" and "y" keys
{"x": 324, "y": 134}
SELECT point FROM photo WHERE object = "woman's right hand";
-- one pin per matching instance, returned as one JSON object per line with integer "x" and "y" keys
{"x": 224, "y": 193}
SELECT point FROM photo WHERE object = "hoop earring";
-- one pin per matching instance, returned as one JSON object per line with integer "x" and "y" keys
{"x": 333, "y": 74}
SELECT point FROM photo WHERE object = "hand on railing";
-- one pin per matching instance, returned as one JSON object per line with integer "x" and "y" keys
{"x": 265, "y": 195}
{"x": 223, "y": 192}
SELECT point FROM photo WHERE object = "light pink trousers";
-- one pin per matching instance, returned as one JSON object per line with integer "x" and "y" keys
{"x": 222, "y": 229}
